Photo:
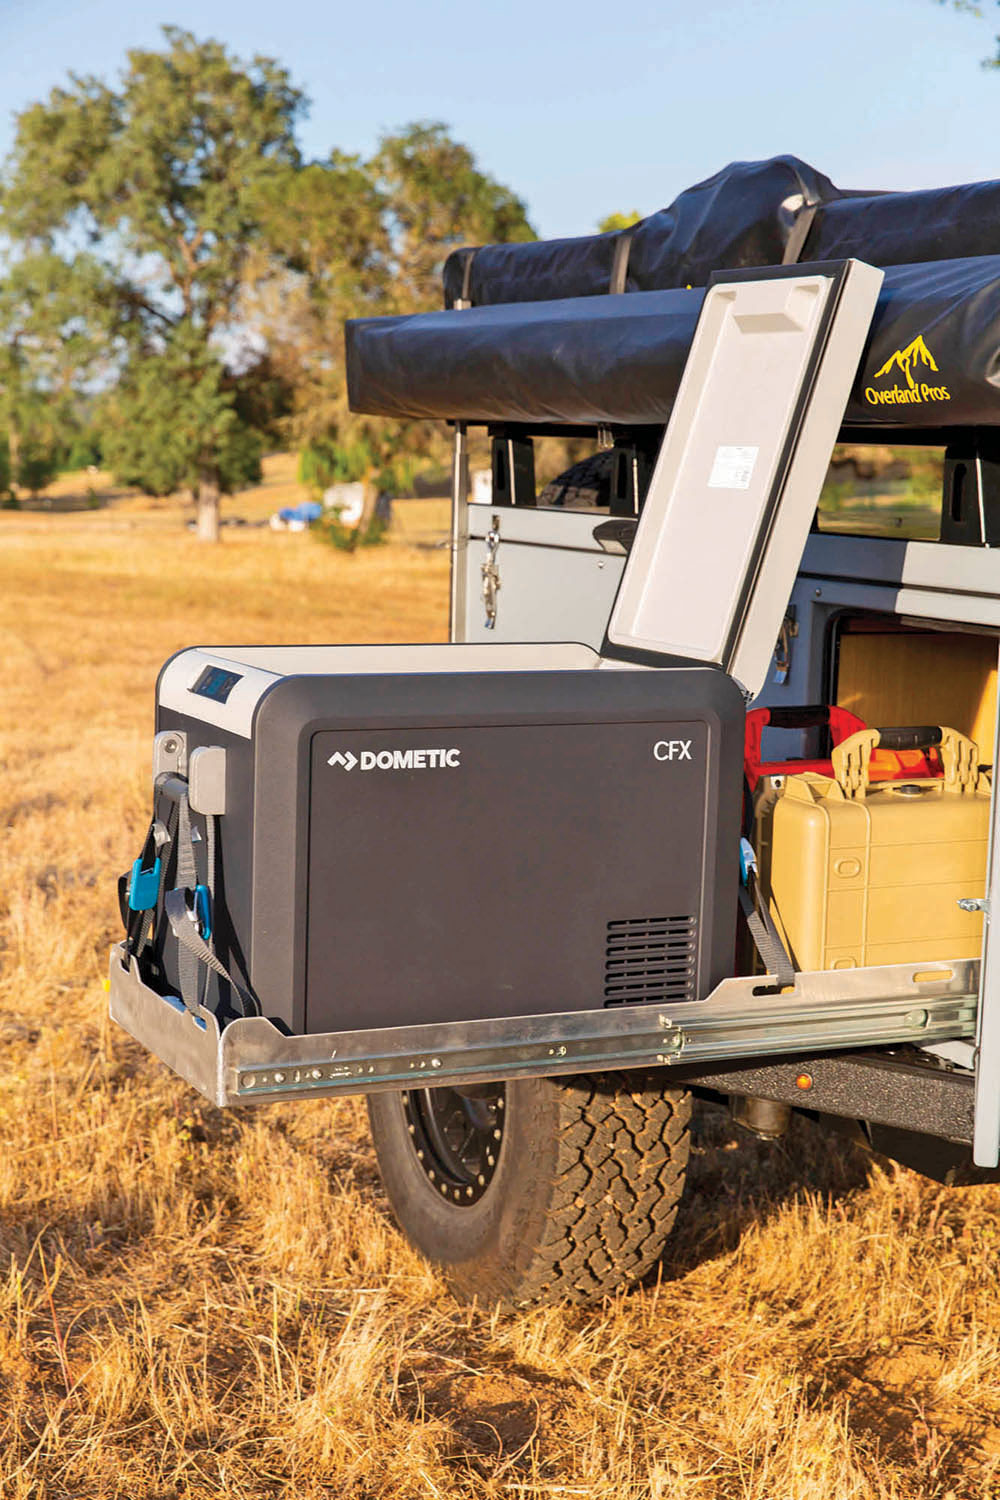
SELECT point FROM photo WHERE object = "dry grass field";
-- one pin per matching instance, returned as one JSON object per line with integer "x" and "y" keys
{"x": 203, "y": 1305}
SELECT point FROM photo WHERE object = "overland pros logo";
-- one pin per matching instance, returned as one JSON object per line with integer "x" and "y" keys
{"x": 396, "y": 760}
{"x": 915, "y": 357}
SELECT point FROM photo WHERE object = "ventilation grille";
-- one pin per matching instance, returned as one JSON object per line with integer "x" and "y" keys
{"x": 650, "y": 959}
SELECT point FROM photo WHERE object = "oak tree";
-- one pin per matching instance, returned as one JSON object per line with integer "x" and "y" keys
{"x": 351, "y": 237}
{"x": 157, "y": 183}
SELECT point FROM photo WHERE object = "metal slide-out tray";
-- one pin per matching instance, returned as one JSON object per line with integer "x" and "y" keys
{"x": 250, "y": 1061}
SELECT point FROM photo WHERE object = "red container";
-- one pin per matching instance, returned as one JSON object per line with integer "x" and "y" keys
{"x": 886, "y": 765}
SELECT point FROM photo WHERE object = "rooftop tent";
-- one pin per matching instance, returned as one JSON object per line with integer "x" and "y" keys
{"x": 743, "y": 216}
{"x": 749, "y": 214}
{"x": 932, "y": 360}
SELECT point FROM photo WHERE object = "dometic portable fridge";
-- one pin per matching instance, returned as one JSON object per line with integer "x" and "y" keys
{"x": 371, "y": 864}
{"x": 435, "y": 834}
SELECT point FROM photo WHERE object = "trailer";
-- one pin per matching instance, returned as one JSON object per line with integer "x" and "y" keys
{"x": 699, "y": 796}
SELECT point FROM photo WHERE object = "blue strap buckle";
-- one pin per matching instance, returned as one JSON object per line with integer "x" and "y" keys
{"x": 203, "y": 911}
{"x": 748, "y": 861}
{"x": 144, "y": 887}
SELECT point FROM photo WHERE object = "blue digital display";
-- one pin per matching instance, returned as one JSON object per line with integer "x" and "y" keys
{"x": 216, "y": 683}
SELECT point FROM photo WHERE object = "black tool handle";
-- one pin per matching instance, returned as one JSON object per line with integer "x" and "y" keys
{"x": 919, "y": 737}
{"x": 810, "y": 716}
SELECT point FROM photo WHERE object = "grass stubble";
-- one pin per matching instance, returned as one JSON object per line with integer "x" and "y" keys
{"x": 198, "y": 1304}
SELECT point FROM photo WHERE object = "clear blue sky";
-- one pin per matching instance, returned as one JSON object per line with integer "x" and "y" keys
{"x": 586, "y": 106}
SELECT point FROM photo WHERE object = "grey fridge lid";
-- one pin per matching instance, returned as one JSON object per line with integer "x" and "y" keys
{"x": 740, "y": 469}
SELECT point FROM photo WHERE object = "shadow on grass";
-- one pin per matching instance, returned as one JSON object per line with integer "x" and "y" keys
{"x": 735, "y": 1180}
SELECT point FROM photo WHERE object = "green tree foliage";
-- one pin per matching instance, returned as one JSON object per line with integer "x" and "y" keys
{"x": 171, "y": 418}
{"x": 153, "y": 222}
{"x": 611, "y": 222}
{"x": 349, "y": 237}
{"x": 37, "y": 463}
{"x": 47, "y": 349}
{"x": 161, "y": 179}
{"x": 436, "y": 198}
{"x": 82, "y": 450}
{"x": 325, "y": 256}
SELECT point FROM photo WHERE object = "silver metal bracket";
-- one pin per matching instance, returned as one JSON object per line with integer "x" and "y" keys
{"x": 169, "y": 753}
{"x": 251, "y": 1061}
{"x": 976, "y": 903}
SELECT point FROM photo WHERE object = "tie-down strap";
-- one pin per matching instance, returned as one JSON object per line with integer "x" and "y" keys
{"x": 761, "y": 924}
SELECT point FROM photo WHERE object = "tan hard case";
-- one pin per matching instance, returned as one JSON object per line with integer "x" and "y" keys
{"x": 861, "y": 873}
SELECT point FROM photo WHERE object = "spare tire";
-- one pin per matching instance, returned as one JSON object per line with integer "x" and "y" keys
{"x": 583, "y": 486}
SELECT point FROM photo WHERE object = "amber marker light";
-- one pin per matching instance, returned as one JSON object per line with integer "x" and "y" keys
{"x": 804, "y": 1081}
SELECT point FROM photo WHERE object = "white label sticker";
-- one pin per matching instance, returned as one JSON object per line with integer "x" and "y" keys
{"x": 732, "y": 468}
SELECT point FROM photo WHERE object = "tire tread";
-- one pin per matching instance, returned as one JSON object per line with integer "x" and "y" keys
{"x": 622, "y": 1155}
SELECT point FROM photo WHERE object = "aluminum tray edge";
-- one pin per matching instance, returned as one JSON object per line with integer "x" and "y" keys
{"x": 251, "y": 1061}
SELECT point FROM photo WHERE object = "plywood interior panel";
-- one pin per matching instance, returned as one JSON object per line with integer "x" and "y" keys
{"x": 922, "y": 678}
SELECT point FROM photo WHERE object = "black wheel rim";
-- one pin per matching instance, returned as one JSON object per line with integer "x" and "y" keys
{"x": 456, "y": 1135}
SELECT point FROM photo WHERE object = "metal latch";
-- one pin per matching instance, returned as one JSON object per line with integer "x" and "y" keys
{"x": 491, "y": 573}
{"x": 975, "y": 903}
{"x": 616, "y": 535}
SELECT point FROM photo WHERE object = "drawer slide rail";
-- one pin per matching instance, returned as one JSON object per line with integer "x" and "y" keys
{"x": 250, "y": 1061}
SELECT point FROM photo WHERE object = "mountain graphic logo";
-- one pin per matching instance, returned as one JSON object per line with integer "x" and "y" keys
{"x": 915, "y": 353}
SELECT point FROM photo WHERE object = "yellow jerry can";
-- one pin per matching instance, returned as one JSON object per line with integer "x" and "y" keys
{"x": 866, "y": 873}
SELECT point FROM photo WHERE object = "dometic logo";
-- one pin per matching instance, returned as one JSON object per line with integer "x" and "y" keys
{"x": 397, "y": 760}
{"x": 672, "y": 750}
{"x": 915, "y": 357}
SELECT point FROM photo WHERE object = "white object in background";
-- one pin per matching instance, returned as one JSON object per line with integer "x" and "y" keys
{"x": 347, "y": 501}
{"x": 482, "y": 487}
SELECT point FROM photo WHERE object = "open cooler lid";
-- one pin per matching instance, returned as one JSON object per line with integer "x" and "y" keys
{"x": 742, "y": 464}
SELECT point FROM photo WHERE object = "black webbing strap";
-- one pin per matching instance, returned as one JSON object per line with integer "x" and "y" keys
{"x": 761, "y": 924}
{"x": 139, "y": 925}
{"x": 180, "y": 906}
{"x": 619, "y": 265}
{"x": 767, "y": 941}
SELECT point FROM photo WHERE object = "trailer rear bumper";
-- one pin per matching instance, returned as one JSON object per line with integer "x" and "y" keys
{"x": 250, "y": 1061}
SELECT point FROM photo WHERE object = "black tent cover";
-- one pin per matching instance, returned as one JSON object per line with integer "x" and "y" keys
{"x": 549, "y": 338}
{"x": 932, "y": 359}
{"x": 759, "y": 213}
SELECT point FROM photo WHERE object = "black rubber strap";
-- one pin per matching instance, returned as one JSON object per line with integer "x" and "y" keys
{"x": 810, "y": 716}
